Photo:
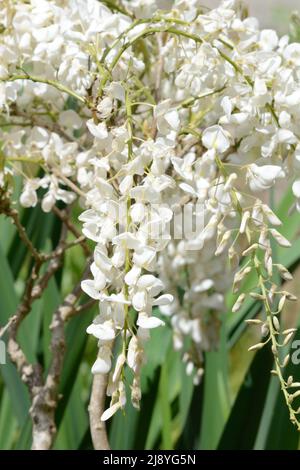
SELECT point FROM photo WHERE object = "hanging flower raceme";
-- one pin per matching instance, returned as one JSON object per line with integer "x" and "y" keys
{"x": 156, "y": 118}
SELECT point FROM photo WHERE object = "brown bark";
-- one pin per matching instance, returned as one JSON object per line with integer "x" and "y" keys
{"x": 96, "y": 408}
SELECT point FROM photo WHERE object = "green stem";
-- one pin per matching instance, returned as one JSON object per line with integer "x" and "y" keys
{"x": 177, "y": 32}
{"x": 38, "y": 161}
{"x": 53, "y": 83}
{"x": 292, "y": 412}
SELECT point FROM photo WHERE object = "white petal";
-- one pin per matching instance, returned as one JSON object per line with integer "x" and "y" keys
{"x": 101, "y": 260}
{"x": 126, "y": 184}
{"x": 226, "y": 105}
{"x": 48, "y": 202}
{"x": 281, "y": 240}
{"x": 88, "y": 286}
{"x": 296, "y": 189}
{"x": 137, "y": 212}
{"x": 285, "y": 136}
{"x": 116, "y": 90}
{"x": 115, "y": 298}
{"x": 204, "y": 285}
{"x": 132, "y": 275}
{"x": 28, "y": 198}
{"x": 97, "y": 130}
{"x": 162, "y": 108}
{"x": 101, "y": 366}
{"x": 272, "y": 218}
{"x": 268, "y": 39}
{"x": 263, "y": 177}
{"x": 128, "y": 240}
{"x": 292, "y": 53}
{"x": 148, "y": 280}
{"x": 103, "y": 331}
{"x": 132, "y": 352}
{"x": 118, "y": 257}
{"x": 139, "y": 300}
{"x": 70, "y": 119}
{"x": 172, "y": 118}
{"x": 99, "y": 279}
{"x": 217, "y": 138}
{"x": 187, "y": 189}
{"x": 144, "y": 256}
{"x": 164, "y": 299}
{"x": 110, "y": 411}
{"x": 118, "y": 367}
{"x": 149, "y": 322}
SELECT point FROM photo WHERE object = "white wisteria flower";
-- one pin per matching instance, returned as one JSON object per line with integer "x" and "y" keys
{"x": 215, "y": 137}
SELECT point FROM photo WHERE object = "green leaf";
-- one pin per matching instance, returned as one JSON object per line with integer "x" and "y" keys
{"x": 131, "y": 429}
{"x": 276, "y": 430}
{"x": 190, "y": 436}
{"x": 8, "y": 422}
{"x": 7, "y": 231}
{"x": 75, "y": 420}
{"x": 123, "y": 428}
{"x": 76, "y": 339}
{"x": 216, "y": 401}
{"x": 9, "y": 301}
{"x": 241, "y": 427}
{"x": 169, "y": 387}
{"x": 29, "y": 332}
{"x": 185, "y": 399}
{"x": 165, "y": 409}
{"x": 25, "y": 438}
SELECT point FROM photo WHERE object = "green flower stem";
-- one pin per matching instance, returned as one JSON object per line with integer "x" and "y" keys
{"x": 176, "y": 32}
{"x": 128, "y": 107}
{"x": 53, "y": 83}
{"x": 191, "y": 101}
{"x": 269, "y": 313}
{"x": 24, "y": 159}
{"x": 137, "y": 23}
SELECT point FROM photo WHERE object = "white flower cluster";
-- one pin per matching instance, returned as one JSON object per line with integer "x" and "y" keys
{"x": 139, "y": 111}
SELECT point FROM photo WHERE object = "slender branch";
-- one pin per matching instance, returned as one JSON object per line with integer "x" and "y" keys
{"x": 45, "y": 402}
{"x": 53, "y": 83}
{"x": 38, "y": 256}
{"x": 68, "y": 182}
{"x": 86, "y": 306}
{"x": 43, "y": 281}
{"x": 34, "y": 289}
{"x": 14, "y": 215}
{"x": 96, "y": 409}
{"x": 62, "y": 248}
{"x": 117, "y": 7}
{"x": 30, "y": 374}
{"x": 37, "y": 122}
{"x": 62, "y": 215}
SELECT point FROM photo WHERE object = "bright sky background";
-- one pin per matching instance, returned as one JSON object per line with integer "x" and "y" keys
{"x": 272, "y": 13}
